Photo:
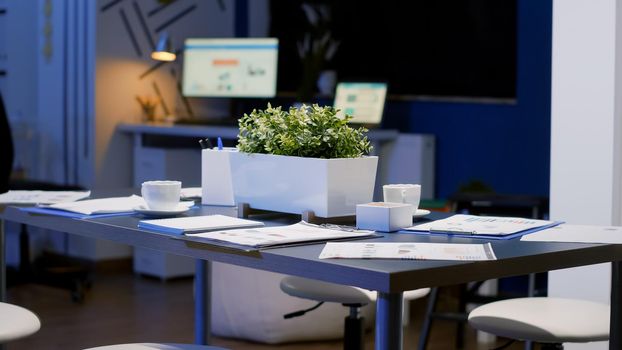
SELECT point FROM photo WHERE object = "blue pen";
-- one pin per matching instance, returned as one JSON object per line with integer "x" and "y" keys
{"x": 219, "y": 143}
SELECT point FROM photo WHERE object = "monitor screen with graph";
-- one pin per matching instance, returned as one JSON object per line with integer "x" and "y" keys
{"x": 231, "y": 67}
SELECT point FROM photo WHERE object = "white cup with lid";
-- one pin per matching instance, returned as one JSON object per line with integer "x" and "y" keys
{"x": 403, "y": 193}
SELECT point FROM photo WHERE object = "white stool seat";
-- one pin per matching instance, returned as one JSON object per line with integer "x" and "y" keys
{"x": 323, "y": 291}
{"x": 154, "y": 346}
{"x": 336, "y": 293}
{"x": 16, "y": 322}
{"x": 544, "y": 319}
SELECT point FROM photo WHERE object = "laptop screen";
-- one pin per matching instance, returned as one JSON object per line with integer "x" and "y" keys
{"x": 363, "y": 101}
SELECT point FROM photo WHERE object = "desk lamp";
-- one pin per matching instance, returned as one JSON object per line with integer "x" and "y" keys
{"x": 165, "y": 52}
{"x": 164, "y": 49}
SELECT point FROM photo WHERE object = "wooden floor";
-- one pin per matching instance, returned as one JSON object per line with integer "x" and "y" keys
{"x": 122, "y": 308}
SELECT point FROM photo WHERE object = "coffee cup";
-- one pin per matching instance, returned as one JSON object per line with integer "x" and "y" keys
{"x": 161, "y": 195}
{"x": 403, "y": 193}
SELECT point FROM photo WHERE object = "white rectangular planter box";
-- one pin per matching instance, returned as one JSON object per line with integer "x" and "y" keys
{"x": 328, "y": 187}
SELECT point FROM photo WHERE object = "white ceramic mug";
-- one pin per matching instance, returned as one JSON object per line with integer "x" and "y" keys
{"x": 161, "y": 195}
{"x": 403, "y": 193}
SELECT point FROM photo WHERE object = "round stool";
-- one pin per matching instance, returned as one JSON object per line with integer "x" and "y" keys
{"x": 349, "y": 296}
{"x": 156, "y": 346}
{"x": 16, "y": 322}
{"x": 544, "y": 320}
{"x": 321, "y": 292}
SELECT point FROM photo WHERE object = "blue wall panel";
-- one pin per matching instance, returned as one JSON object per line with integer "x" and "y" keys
{"x": 506, "y": 146}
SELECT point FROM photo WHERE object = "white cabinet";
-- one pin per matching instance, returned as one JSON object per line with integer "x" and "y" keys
{"x": 409, "y": 159}
{"x": 167, "y": 164}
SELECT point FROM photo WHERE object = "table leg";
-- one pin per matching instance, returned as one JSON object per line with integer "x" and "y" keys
{"x": 202, "y": 302}
{"x": 2, "y": 267}
{"x": 2, "y": 262}
{"x": 615, "y": 324}
{"x": 389, "y": 321}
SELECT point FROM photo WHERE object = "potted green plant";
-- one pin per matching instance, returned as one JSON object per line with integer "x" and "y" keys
{"x": 302, "y": 159}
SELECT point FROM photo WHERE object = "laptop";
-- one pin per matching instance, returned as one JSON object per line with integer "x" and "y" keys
{"x": 364, "y": 101}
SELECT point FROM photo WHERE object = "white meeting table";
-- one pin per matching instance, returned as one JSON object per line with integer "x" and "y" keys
{"x": 389, "y": 277}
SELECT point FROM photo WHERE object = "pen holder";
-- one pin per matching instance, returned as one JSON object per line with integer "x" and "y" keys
{"x": 216, "y": 184}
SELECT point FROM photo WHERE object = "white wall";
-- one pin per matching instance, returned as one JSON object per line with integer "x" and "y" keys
{"x": 585, "y": 133}
{"x": 20, "y": 90}
{"x": 119, "y": 67}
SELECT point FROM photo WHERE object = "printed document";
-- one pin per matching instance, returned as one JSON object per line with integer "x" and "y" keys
{"x": 190, "y": 192}
{"x": 279, "y": 235}
{"x": 102, "y": 205}
{"x": 482, "y": 225}
{"x": 196, "y": 224}
{"x": 578, "y": 234}
{"x": 408, "y": 251}
{"x": 42, "y": 197}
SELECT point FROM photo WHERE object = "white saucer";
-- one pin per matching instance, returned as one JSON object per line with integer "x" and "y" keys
{"x": 421, "y": 213}
{"x": 181, "y": 208}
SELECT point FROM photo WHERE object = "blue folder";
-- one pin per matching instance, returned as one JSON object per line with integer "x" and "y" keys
{"x": 485, "y": 236}
{"x": 69, "y": 214}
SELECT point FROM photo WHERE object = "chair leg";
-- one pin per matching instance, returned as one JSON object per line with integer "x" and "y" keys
{"x": 462, "y": 301}
{"x": 353, "y": 331}
{"x": 25, "y": 268}
{"x": 427, "y": 322}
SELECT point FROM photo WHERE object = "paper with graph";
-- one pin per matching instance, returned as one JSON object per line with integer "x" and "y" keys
{"x": 408, "y": 251}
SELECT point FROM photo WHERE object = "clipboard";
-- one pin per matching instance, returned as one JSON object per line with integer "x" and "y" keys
{"x": 487, "y": 227}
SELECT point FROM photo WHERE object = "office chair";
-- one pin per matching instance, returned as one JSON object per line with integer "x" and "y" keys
{"x": 483, "y": 204}
{"x": 16, "y": 322}
{"x": 156, "y": 346}
{"x": 351, "y": 297}
{"x": 49, "y": 269}
{"x": 546, "y": 320}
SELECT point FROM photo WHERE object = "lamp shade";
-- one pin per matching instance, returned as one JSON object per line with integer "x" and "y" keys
{"x": 164, "y": 49}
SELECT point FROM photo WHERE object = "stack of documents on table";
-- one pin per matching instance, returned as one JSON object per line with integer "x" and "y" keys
{"x": 42, "y": 197}
{"x": 190, "y": 193}
{"x": 491, "y": 227}
{"x": 578, "y": 234}
{"x": 301, "y": 232}
{"x": 196, "y": 224}
{"x": 408, "y": 251}
{"x": 92, "y": 207}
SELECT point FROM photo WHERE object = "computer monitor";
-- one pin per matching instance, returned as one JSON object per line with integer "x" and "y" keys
{"x": 232, "y": 67}
{"x": 363, "y": 101}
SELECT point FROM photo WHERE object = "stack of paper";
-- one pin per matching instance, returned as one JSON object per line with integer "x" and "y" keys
{"x": 91, "y": 207}
{"x": 190, "y": 193}
{"x": 483, "y": 226}
{"x": 409, "y": 251}
{"x": 42, "y": 197}
{"x": 578, "y": 234}
{"x": 194, "y": 224}
{"x": 102, "y": 205}
{"x": 281, "y": 235}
